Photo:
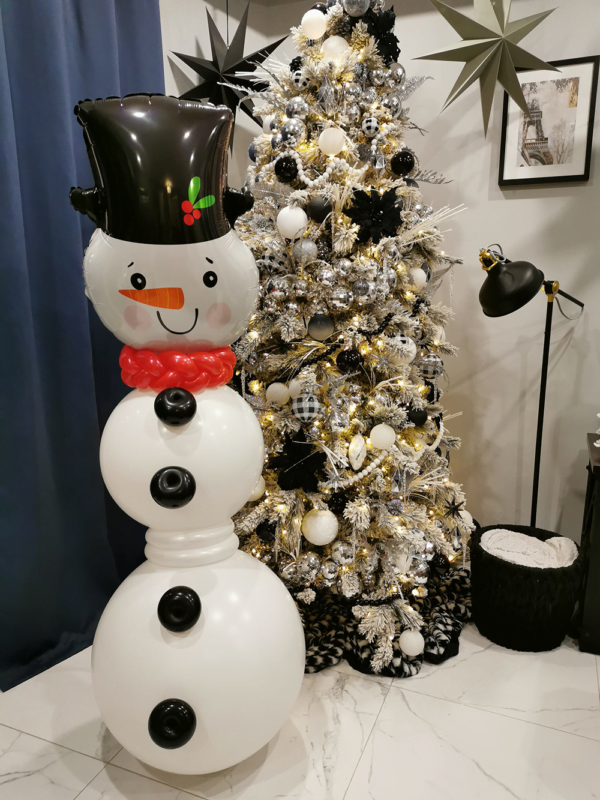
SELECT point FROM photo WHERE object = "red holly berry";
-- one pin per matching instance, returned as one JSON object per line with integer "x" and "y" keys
{"x": 187, "y": 207}
{"x": 188, "y": 219}
{"x": 196, "y": 213}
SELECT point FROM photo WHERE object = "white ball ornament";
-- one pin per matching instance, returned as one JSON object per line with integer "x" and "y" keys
{"x": 314, "y": 24}
{"x": 295, "y": 388}
{"x": 418, "y": 278}
{"x": 382, "y": 437}
{"x": 320, "y": 527}
{"x": 291, "y": 221}
{"x": 258, "y": 490}
{"x": 334, "y": 47}
{"x": 407, "y": 350}
{"x": 332, "y": 141}
{"x": 411, "y": 643}
{"x": 267, "y": 123}
{"x": 278, "y": 393}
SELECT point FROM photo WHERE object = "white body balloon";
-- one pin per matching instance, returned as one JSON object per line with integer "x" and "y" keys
{"x": 240, "y": 667}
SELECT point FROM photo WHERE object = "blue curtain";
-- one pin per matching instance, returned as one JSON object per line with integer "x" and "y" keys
{"x": 64, "y": 545}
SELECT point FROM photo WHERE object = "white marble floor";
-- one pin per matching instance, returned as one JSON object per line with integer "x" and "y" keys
{"x": 489, "y": 724}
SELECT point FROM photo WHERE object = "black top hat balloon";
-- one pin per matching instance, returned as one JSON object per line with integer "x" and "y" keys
{"x": 164, "y": 269}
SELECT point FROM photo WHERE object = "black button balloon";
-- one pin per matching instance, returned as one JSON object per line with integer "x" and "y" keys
{"x": 318, "y": 209}
{"x": 172, "y": 487}
{"x": 349, "y": 360}
{"x": 418, "y": 416}
{"x": 286, "y": 169}
{"x": 179, "y": 609}
{"x": 175, "y": 406}
{"x": 172, "y": 724}
{"x": 402, "y": 162}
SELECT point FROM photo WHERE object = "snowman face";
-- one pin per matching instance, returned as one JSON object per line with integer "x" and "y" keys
{"x": 172, "y": 297}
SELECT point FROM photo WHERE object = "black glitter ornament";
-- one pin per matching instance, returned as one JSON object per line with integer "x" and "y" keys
{"x": 337, "y": 502}
{"x": 349, "y": 360}
{"x": 298, "y": 464}
{"x": 418, "y": 416}
{"x": 318, "y": 209}
{"x": 376, "y": 215}
{"x": 286, "y": 169}
{"x": 439, "y": 563}
{"x": 320, "y": 327}
{"x": 266, "y": 531}
{"x": 296, "y": 63}
{"x": 402, "y": 163}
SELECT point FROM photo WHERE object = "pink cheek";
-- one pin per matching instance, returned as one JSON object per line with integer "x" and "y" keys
{"x": 218, "y": 315}
{"x": 138, "y": 318}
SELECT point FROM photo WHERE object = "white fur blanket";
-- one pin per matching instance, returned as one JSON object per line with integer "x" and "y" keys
{"x": 518, "y": 548}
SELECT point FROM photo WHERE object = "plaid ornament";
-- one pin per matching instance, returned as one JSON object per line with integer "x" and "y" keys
{"x": 306, "y": 407}
{"x": 431, "y": 365}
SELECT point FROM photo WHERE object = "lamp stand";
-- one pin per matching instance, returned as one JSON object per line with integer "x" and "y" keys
{"x": 551, "y": 289}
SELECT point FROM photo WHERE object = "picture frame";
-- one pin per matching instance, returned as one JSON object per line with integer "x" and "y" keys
{"x": 563, "y": 110}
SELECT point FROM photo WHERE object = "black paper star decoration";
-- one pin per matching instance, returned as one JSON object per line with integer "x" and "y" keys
{"x": 375, "y": 214}
{"x": 298, "y": 464}
{"x": 225, "y": 68}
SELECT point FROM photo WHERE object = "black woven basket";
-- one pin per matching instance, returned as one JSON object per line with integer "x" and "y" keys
{"x": 524, "y": 608}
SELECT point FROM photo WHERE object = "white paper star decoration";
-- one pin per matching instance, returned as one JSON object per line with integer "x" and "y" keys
{"x": 490, "y": 51}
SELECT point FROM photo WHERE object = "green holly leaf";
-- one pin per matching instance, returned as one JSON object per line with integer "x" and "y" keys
{"x": 194, "y": 189}
{"x": 205, "y": 202}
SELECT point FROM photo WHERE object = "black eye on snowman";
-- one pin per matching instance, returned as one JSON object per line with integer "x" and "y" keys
{"x": 138, "y": 281}
{"x": 210, "y": 279}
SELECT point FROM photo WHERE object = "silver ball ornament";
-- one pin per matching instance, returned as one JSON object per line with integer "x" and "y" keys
{"x": 308, "y": 566}
{"x": 340, "y": 299}
{"x": 369, "y": 96}
{"x": 278, "y": 288}
{"x": 397, "y": 76}
{"x": 342, "y": 553}
{"x": 393, "y": 105}
{"x": 293, "y": 132}
{"x": 277, "y": 141}
{"x": 305, "y": 251}
{"x": 378, "y": 76}
{"x": 356, "y": 8}
{"x": 297, "y": 107}
{"x": 353, "y": 112}
{"x": 329, "y": 570}
{"x": 361, "y": 287}
{"x": 326, "y": 277}
{"x": 300, "y": 288}
{"x": 342, "y": 267}
{"x": 352, "y": 92}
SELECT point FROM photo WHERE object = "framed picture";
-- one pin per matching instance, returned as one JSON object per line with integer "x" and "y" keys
{"x": 553, "y": 144}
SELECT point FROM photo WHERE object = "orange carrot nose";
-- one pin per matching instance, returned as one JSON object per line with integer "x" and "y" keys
{"x": 160, "y": 298}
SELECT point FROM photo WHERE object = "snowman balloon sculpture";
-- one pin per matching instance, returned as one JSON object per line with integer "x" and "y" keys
{"x": 199, "y": 655}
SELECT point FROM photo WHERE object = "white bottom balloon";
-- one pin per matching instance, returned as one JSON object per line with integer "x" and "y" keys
{"x": 205, "y": 699}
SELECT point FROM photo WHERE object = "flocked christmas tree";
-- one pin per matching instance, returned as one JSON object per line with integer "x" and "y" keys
{"x": 344, "y": 357}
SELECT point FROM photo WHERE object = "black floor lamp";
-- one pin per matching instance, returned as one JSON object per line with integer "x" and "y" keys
{"x": 509, "y": 285}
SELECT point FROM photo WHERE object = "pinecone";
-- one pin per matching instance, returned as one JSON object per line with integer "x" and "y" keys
{"x": 344, "y": 26}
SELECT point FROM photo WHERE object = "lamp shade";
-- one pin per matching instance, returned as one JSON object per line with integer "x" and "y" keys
{"x": 509, "y": 286}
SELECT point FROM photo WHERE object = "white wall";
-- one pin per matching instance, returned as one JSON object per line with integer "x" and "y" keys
{"x": 495, "y": 378}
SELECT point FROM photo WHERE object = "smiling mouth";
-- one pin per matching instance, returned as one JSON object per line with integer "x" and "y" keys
{"x": 179, "y": 333}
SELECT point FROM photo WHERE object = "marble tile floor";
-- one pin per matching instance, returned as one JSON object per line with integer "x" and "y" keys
{"x": 490, "y": 723}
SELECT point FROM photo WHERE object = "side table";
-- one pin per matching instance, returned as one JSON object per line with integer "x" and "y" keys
{"x": 589, "y": 602}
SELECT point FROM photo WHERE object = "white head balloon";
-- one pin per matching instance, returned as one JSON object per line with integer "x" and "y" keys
{"x": 172, "y": 297}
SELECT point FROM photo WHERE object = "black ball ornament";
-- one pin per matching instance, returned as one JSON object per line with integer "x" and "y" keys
{"x": 337, "y": 502}
{"x": 286, "y": 169}
{"x": 175, "y": 406}
{"x": 322, "y": 7}
{"x": 252, "y": 153}
{"x": 266, "y": 531}
{"x": 172, "y": 724}
{"x": 318, "y": 209}
{"x": 402, "y": 163}
{"x": 179, "y": 609}
{"x": 349, "y": 360}
{"x": 418, "y": 416}
{"x": 172, "y": 487}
